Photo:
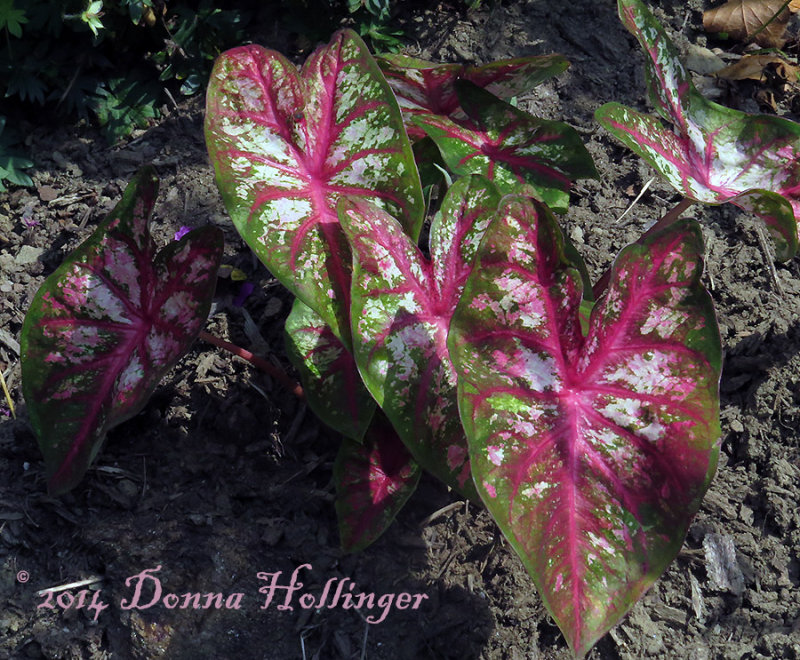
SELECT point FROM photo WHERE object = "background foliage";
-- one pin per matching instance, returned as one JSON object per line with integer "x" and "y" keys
{"x": 117, "y": 62}
{"x": 112, "y": 61}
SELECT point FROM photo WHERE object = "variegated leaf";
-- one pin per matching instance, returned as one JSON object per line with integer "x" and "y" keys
{"x": 330, "y": 378}
{"x": 424, "y": 87}
{"x": 374, "y": 480}
{"x": 592, "y": 452}
{"x": 286, "y": 145}
{"x": 402, "y": 304}
{"x": 711, "y": 154}
{"x": 515, "y": 150}
{"x": 107, "y": 325}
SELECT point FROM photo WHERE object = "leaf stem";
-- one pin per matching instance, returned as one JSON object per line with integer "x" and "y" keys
{"x": 668, "y": 219}
{"x": 752, "y": 37}
{"x": 260, "y": 363}
{"x": 8, "y": 395}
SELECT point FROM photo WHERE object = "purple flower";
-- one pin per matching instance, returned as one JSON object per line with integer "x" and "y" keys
{"x": 244, "y": 291}
{"x": 27, "y": 217}
{"x": 182, "y": 232}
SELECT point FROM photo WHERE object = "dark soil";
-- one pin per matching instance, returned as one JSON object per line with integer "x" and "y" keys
{"x": 224, "y": 475}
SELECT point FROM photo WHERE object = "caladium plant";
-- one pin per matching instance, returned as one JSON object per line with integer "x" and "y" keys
{"x": 427, "y": 88}
{"x": 619, "y": 459}
{"x": 106, "y": 326}
{"x": 374, "y": 472}
{"x": 514, "y": 149}
{"x": 593, "y": 450}
{"x": 329, "y": 374}
{"x": 401, "y": 308}
{"x": 711, "y": 154}
{"x": 374, "y": 480}
{"x": 590, "y": 430}
{"x": 287, "y": 144}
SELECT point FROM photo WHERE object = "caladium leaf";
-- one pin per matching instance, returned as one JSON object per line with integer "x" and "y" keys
{"x": 514, "y": 149}
{"x": 107, "y": 325}
{"x": 592, "y": 452}
{"x": 401, "y": 310}
{"x": 712, "y": 154}
{"x": 328, "y": 372}
{"x": 374, "y": 480}
{"x": 287, "y": 144}
{"x": 425, "y": 87}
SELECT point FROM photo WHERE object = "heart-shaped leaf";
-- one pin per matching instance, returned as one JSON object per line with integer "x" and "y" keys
{"x": 424, "y": 87}
{"x": 374, "y": 480}
{"x": 107, "y": 325}
{"x": 286, "y": 145}
{"x": 712, "y": 154}
{"x": 401, "y": 310}
{"x": 591, "y": 452}
{"x": 514, "y": 149}
{"x": 328, "y": 372}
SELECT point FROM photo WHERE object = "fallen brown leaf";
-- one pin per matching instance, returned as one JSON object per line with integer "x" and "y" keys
{"x": 757, "y": 67}
{"x": 766, "y": 101}
{"x": 744, "y": 19}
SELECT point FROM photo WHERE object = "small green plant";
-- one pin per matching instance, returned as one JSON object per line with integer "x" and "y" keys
{"x": 11, "y": 18}
{"x": 91, "y": 16}
{"x": 373, "y": 21}
{"x": 11, "y": 161}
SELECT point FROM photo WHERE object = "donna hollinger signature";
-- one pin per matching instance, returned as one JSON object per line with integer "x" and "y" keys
{"x": 146, "y": 591}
